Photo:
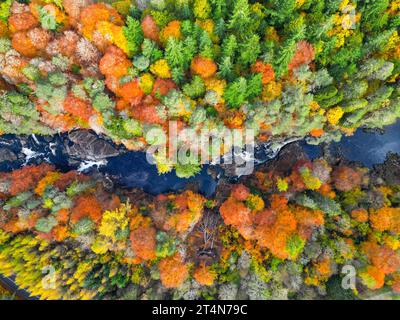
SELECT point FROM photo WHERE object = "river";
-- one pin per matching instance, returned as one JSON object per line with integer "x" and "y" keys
{"x": 130, "y": 169}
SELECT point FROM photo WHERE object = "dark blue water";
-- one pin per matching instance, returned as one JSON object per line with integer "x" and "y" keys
{"x": 130, "y": 169}
{"x": 367, "y": 147}
{"x": 133, "y": 171}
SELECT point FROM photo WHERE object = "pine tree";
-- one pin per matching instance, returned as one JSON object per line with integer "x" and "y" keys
{"x": 240, "y": 17}
{"x": 194, "y": 89}
{"x": 374, "y": 15}
{"x": 133, "y": 34}
{"x": 174, "y": 53}
{"x": 151, "y": 51}
{"x": 229, "y": 46}
{"x": 254, "y": 86}
{"x": 249, "y": 50}
{"x": 283, "y": 10}
{"x": 236, "y": 93}
{"x": 205, "y": 45}
{"x": 283, "y": 57}
{"x": 226, "y": 68}
{"x": 219, "y": 9}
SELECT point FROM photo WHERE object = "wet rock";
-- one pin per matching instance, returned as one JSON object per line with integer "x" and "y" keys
{"x": 287, "y": 158}
{"x": 106, "y": 180}
{"x": 11, "y": 142}
{"x": 7, "y": 155}
{"x": 243, "y": 162}
{"x": 88, "y": 145}
{"x": 108, "y": 183}
{"x": 389, "y": 171}
{"x": 284, "y": 161}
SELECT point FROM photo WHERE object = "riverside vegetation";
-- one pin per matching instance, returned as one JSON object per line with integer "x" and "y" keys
{"x": 303, "y": 68}
{"x": 313, "y": 69}
{"x": 278, "y": 234}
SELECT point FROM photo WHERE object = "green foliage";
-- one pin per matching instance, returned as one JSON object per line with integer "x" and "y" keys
{"x": 141, "y": 62}
{"x": 46, "y": 224}
{"x": 151, "y": 50}
{"x": 284, "y": 55}
{"x": 295, "y": 246}
{"x": 355, "y": 89}
{"x": 57, "y": 78}
{"x": 283, "y": 10}
{"x": 78, "y": 187}
{"x": 5, "y": 45}
{"x": 78, "y": 91}
{"x": 5, "y": 10}
{"x": 162, "y": 18}
{"x": 254, "y": 86}
{"x": 249, "y": 50}
{"x": 198, "y": 116}
{"x": 374, "y": 15}
{"x": 327, "y": 205}
{"x": 236, "y": 93}
{"x": 201, "y": 9}
{"x": 93, "y": 86}
{"x": 59, "y": 200}
{"x": 18, "y": 200}
{"x": 206, "y": 48}
{"x": 240, "y": 17}
{"x": 103, "y": 102}
{"x": 25, "y": 118}
{"x": 179, "y": 55}
{"x": 194, "y": 89}
{"x": 376, "y": 42}
{"x": 385, "y": 116}
{"x": 177, "y": 103}
{"x": 229, "y": 46}
{"x": 115, "y": 126}
{"x": 60, "y": 62}
{"x": 50, "y": 92}
{"x": 47, "y": 20}
{"x": 242, "y": 90}
{"x": 166, "y": 245}
{"x": 187, "y": 170}
{"x": 325, "y": 93}
{"x": 352, "y": 105}
{"x": 33, "y": 203}
{"x": 329, "y": 102}
{"x": 226, "y": 68}
{"x": 335, "y": 290}
{"x": 133, "y": 127}
{"x": 83, "y": 226}
{"x": 317, "y": 201}
{"x": 133, "y": 34}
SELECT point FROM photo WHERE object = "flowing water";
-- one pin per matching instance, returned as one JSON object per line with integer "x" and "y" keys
{"x": 130, "y": 169}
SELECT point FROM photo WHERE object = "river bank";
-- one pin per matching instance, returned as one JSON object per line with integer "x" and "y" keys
{"x": 284, "y": 232}
{"x": 90, "y": 153}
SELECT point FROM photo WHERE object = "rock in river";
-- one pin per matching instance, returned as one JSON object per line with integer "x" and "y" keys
{"x": 88, "y": 145}
{"x": 7, "y": 155}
